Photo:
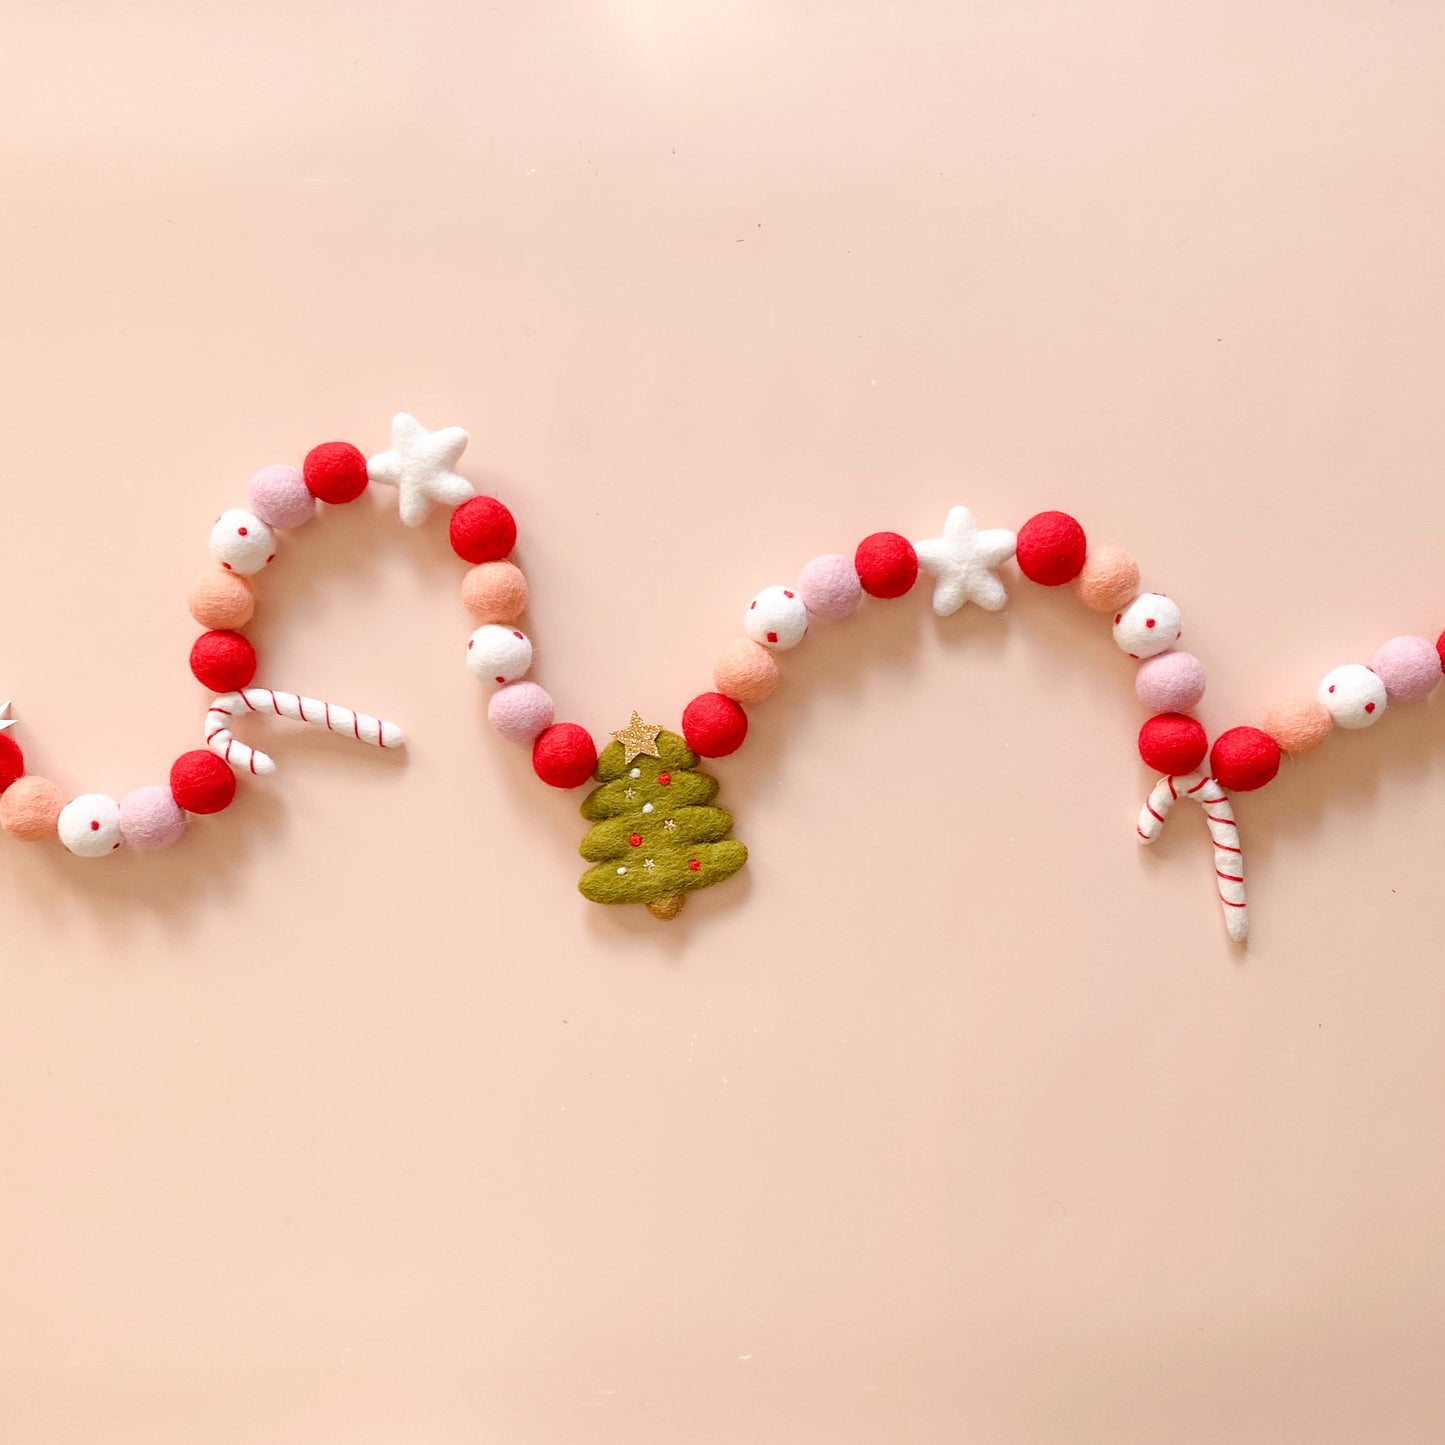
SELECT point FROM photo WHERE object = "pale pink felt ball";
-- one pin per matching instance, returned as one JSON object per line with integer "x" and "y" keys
{"x": 1298, "y": 722}
{"x": 495, "y": 592}
{"x": 829, "y": 587}
{"x": 746, "y": 671}
{"x": 1170, "y": 682}
{"x": 521, "y": 711}
{"x": 1409, "y": 667}
{"x": 1109, "y": 580}
{"x": 151, "y": 818}
{"x": 220, "y": 600}
{"x": 281, "y": 498}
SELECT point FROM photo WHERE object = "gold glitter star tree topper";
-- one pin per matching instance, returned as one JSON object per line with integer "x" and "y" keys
{"x": 655, "y": 836}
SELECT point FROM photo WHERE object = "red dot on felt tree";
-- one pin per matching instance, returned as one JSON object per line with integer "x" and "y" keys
{"x": 482, "y": 530}
{"x": 694, "y": 865}
{"x": 636, "y": 840}
{"x": 665, "y": 779}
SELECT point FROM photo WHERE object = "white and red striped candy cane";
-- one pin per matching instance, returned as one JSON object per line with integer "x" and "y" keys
{"x": 1228, "y": 856}
{"x": 224, "y": 709}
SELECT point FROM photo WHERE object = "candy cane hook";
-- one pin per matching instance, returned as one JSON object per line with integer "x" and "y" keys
{"x": 311, "y": 710}
{"x": 1228, "y": 856}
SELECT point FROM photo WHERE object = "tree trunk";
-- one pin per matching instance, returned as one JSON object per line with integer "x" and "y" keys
{"x": 667, "y": 908}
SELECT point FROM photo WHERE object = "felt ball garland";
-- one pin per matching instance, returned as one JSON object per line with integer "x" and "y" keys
{"x": 657, "y": 835}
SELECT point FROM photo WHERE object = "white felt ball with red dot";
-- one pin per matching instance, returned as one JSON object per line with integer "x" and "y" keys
{"x": 496, "y": 653}
{"x": 777, "y": 618}
{"x": 241, "y": 542}
{"x": 1149, "y": 625}
{"x": 90, "y": 825}
{"x": 1353, "y": 695}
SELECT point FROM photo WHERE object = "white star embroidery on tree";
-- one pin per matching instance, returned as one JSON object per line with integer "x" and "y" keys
{"x": 961, "y": 563}
{"x": 420, "y": 465}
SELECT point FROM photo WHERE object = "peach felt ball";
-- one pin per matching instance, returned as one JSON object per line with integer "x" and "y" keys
{"x": 495, "y": 592}
{"x": 830, "y": 588}
{"x": 1409, "y": 667}
{"x": 521, "y": 711}
{"x": 1109, "y": 581}
{"x": 221, "y": 600}
{"x": 746, "y": 671}
{"x": 1170, "y": 682}
{"x": 280, "y": 497}
{"x": 30, "y": 809}
{"x": 1299, "y": 723}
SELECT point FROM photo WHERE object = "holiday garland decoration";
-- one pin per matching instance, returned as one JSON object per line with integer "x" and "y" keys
{"x": 655, "y": 834}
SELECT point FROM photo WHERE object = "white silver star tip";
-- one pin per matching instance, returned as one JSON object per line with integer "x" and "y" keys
{"x": 421, "y": 466}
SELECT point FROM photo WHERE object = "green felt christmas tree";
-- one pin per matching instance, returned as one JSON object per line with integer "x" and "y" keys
{"x": 655, "y": 835}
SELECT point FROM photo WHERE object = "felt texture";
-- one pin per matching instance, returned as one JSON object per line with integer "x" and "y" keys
{"x": 1170, "y": 682}
{"x": 1243, "y": 759}
{"x": 564, "y": 755}
{"x": 1440, "y": 648}
{"x": 482, "y": 530}
{"x": 1223, "y": 832}
{"x": 280, "y": 497}
{"x": 220, "y": 599}
{"x": 499, "y": 654}
{"x": 495, "y": 592}
{"x": 1354, "y": 695}
{"x": 202, "y": 783}
{"x": 1149, "y": 625}
{"x": 656, "y": 836}
{"x": 520, "y": 711}
{"x": 1298, "y": 722}
{"x": 222, "y": 661}
{"x": 886, "y": 564}
{"x": 962, "y": 561}
{"x": 220, "y": 718}
{"x": 829, "y": 587}
{"x": 30, "y": 809}
{"x": 714, "y": 725}
{"x": 1409, "y": 667}
{"x": 1051, "y": 549}
{"x": 1173, "y": 743}
{"x": 335, "y": 473}
{"x": 421, "y": 466}
{"x": 12, "y": 762}
{"x": 150, "y": 819}
{"x": 89, "y": 826}
{"x": 776, "y": 618}
{"x": 1108, "y": 580}
{"x": 241, "y": 542}
{"x": 746, "y": 671}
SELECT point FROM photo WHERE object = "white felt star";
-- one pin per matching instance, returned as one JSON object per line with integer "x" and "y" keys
{"x": 961, "y": 563}
{"x": 6, "y": 721}
{"x": 420, "y": 466}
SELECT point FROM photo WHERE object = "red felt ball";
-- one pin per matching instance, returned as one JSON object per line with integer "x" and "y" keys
{"x": 714, "y": 725}
{"x": 201, "y": 782}
{"x": 223, "y": 661}
{"x": 1440, "y": 648}
{"x": 1173, "y": 743}
{"x": 564, "y": 755}
{"x": 335, "y": 472}
{"x": 887, "y": 564}
{"x": 1051, "y": 549}
{"x": 12, "y": 762}
{"x": 1244, "y": 759}
{"x": 483, "y": 530}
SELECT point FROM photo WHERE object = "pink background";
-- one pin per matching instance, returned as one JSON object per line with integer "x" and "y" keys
{"x": 955, "y": 1118}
